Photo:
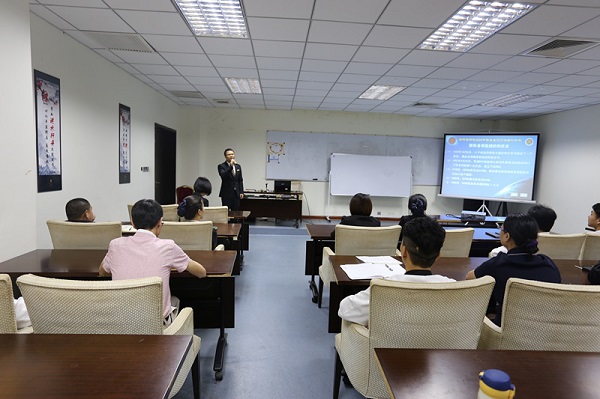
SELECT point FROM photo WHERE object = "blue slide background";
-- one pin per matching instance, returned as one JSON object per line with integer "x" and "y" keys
{"x": 489, "y": 166}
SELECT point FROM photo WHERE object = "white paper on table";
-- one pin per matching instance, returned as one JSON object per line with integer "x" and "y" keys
{"x": 388, "y": 260}
{"x": 365, "y": 271}
{"x": 127, "y": 228}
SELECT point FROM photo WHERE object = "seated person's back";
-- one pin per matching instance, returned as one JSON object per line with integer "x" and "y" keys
{"x": 417, "y": 205}
{"x": 360, "y": 213}
{"x": 519, "y": 236}
{"x": 146, "y": 255}
{"x": 423, "y": 240}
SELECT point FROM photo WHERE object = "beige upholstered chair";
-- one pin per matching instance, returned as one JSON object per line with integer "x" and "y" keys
{"x": 410, "y": 315}
{"x": 170, "y": 213}
{"x": 80, "y": 235}
{"x": 195, "y": 235}
{"x": 356, "y": 240}
{"x": 561, "y": 246}
{"x": 216, "y": 214}
{"x": 591, "y": 247}
{"x": 8, "y": 323}
{"x": 546, "y": 316}
{"x": 457, "y": 243}
{"x": 59, "y": 306}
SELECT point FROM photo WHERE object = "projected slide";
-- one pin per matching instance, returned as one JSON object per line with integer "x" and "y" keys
{"x": 490, "y": 166}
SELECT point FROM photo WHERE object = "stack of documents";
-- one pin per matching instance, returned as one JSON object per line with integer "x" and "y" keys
{"x": 373, "y": 267}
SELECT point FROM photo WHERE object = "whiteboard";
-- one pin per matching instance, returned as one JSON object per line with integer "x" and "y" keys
{"x": 376, "y": 175}
{"x": 307, "y": 156}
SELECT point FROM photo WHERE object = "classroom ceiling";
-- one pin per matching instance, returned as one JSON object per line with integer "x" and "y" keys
{"x": 323, "y": 54}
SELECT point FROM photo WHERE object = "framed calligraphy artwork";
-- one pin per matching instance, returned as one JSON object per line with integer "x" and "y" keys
{"x": 124, "y": 144}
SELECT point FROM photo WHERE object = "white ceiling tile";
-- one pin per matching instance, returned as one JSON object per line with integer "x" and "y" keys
{"x": 75, "y": 3}
{"x": 50, "y": 17}
{"x": 147, "y": 5}
{"x": 396, "y": 36}
{"x": 349, "y": 10}
{"x": 315, "y": 85}
{"x": 271, "y": 48}
{"x": 452, "y": 73}
{"x": 155, "y": 69}
{"x": 204, "y": 80}
{"x": 592, "y": 53}
{"x": 337, "y": 32}
{"x": 109, "y": 56}
{"x": 278, "y": 91}
{"x": 505, "y": 44}
{"x": 451, "y": 93}
{"x": 575, "y": 80}
{"x": 184, "y": 59}
{"x": 85, "y": 39}
{"x": 278, "y": 74}
{"x": 482, "y": 61}
{"x": 367, "y": 68}
{"x": 197, "y": 71}
{"x": 290, "y": 64}
{"x": 238, "y": 73}
{"x": 428, "y": 13}
{"x": 568, "y": 66}
{"x": 416, "y": 71}
{"x": 233, "y": 61}
{"x": 397, "y": 81}
{"x": 351, "y": 87}
{"x": 384, "y": 55}
{"x": 280, "y": 29}
{"x": 435, "y": 83}
{"x": 550, "y": 20}
{"x": 287, "y": 84}
{"x": 319, "y": 76}
{"x": 135, "y": 57}
{"x": 279, "y": 8}
{"x": 509, "y": 88}
{"x": 92, "y": 19}
{"x": 591, "y": 72}
{"x": 494, "y": 76}
{"x": 174, "y": 44}
{"x": 155, "y": 22}
{"x": 543, "y": 89}
{"x": 418, "y": 91}
{"x": 332, "y": 52}
{"x": 430, "y": 58}
{"x": 172, "y": 80}
{"x": 226, "y": 46}
{"x": 587, "y": 30}
{"x": 353, "y": 78}
{"x": 468, "y": 85}
{"x": 579, "y": 92}
{"x": 128, "y": 68}
{"x": 524, "y": 63}
{"x": 535, "y": 78}
{"x": 323, "y": 66}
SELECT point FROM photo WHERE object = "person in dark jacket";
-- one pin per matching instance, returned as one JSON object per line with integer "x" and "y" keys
{"x": 360, "y": 213}
{"x": 519, "y": 236}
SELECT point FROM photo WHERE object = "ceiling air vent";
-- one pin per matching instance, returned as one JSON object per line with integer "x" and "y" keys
{"x": 426, "y": 105}
{"x": 221, "y": 101}
{"x": 121, "y": 41}
{"x": 561, "y": 48}
{"x": 187, "y": 94}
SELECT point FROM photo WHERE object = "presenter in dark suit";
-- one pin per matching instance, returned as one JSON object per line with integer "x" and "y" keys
{"x": 232, "y": 182}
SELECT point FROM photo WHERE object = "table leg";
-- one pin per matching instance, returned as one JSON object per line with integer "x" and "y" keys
{"x": 335, "y": 297}
{"x": 222, "y": 341}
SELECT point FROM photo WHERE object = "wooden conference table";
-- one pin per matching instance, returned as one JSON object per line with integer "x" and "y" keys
{"x": 212, "y": 298}
{"x": 445, "y": 373}
{"x": 320, "y": 237}
{"x": 90, "y": 366}
{"x": 456, "y": 268}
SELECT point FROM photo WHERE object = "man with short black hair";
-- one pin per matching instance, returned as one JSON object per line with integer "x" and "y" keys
{"x": 146, "y": 255}
{"x": 79, "y": 210}
{"x": 594, "y": 218}
{"x": 421, "y": 244}
{"x": 232, "y": 182}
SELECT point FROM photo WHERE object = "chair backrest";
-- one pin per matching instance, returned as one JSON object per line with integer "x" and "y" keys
{"x": 216, "y": 214}
{"x": 170, "y": 213}
{"x": 80, "y": 235}
{"x": 182, "y": 192}
{"x": 195, "y": 235}
{"x": 58, "y": 306}
{"x": 457, "y": 243}
{"x": 591, "y": 247}
{"x": 358, "y": 240}
{"x": 550, "y": 316}
{"x": 8, "y": 323}
{"x": 561, "y": 246}
{"x": 424, "y": 315}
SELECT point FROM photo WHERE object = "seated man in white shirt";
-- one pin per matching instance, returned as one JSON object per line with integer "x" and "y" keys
{"x": 422, "y": 240}
{"x": 545, "y": 218}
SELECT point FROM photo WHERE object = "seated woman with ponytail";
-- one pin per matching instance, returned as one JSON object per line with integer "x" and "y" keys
{"x": 192, "y": 209}
{"x": 519, "y": 236}
{"x": 417, "y": 205}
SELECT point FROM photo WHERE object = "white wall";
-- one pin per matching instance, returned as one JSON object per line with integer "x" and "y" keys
{"x": 17, "y": 152}
{"x": 567, "y": 175}
{"x": 245, "y": 131}
{"x": 91, "y": 90}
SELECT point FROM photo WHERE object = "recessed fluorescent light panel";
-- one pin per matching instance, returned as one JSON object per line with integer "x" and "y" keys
{"x": 510, "y": 99}
{"x": 474, "y": 23}
{"x": 243, "y": 86}
{"x": 221, "y": 18}
{"x": 376, "y": 92}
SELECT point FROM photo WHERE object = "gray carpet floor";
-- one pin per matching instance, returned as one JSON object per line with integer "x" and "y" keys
{"x": 280, "y": 347}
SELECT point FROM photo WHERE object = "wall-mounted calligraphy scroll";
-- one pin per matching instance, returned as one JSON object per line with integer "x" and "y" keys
{"x": 124, "y": 144}
{"x": 47, "y": 118}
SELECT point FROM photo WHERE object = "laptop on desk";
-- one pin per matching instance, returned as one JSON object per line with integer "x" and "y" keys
{"x": 282, "y": 186}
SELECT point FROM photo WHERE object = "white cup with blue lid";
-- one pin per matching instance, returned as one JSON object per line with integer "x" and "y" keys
{"x": 495, "y": 384}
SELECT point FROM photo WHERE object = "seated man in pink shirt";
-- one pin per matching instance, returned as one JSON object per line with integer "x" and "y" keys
{"x": 145, "y": 255}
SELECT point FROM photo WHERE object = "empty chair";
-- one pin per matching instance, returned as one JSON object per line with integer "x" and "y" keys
{"x": 182, "y": 192}
{"x": 170, "y": 213}
{"x": 134, "y": 306}
{"x": 195, "y": 235}
{"x": 79, "y": 235}
{"x": 358, "y": 240}
{"x": 216, "y": 214}
{"x": 410, "y": 315}
{"x": 8, "y": 320}
{"x": 591, "y": 247}
{"x": 561, "y": 246}
{"x": 457, "y": 243}
{"x": 546, "y": 316}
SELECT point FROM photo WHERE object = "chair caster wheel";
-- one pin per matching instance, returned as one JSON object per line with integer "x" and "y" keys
{"x": 218, "y": 375}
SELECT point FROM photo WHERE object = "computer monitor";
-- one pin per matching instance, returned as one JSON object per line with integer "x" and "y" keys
{"x": 282, "y": 186}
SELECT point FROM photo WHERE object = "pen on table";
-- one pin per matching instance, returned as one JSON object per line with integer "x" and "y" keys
{"x": 389, "y": 268}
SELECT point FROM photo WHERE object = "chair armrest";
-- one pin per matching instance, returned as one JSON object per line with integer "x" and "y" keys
{"x": 353, "y": 348}
{"x": 183, "y": 323}
{"x": 327, "y": 252}
{"x": 491, "y": 335}
{"x": 219, "y": 247}
{"x": 25, "y": 330}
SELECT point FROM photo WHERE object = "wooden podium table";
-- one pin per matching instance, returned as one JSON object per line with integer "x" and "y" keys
{"x": 274, "y": 205}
